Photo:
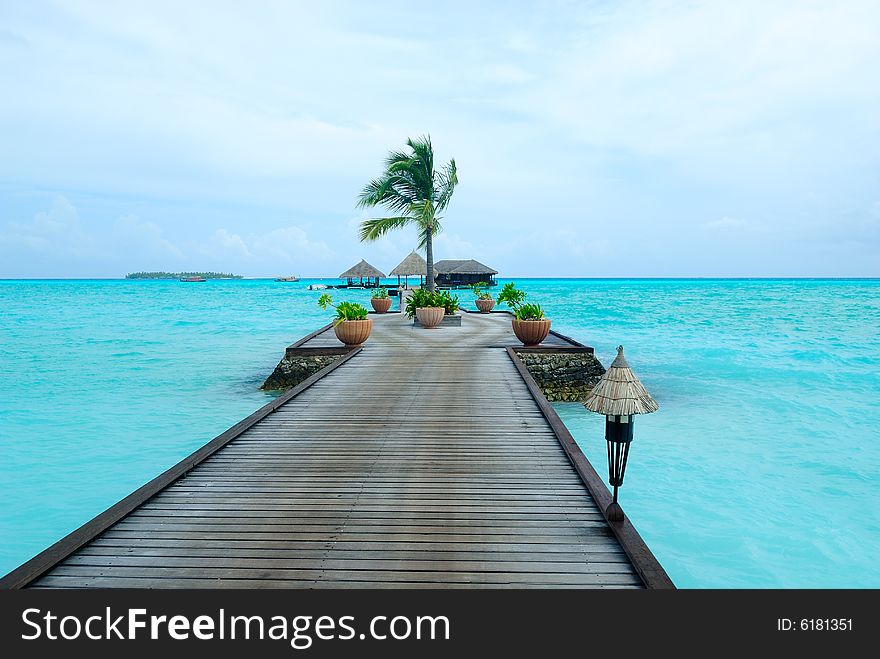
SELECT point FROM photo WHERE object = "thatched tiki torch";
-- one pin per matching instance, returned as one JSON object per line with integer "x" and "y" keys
{"x": 619, "y": 396}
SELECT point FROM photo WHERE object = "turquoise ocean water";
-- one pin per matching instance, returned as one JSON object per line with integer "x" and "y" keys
{"x": 762, "y": 468}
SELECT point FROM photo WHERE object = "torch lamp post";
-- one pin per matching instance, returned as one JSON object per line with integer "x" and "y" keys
{"x": 619, "y": 396}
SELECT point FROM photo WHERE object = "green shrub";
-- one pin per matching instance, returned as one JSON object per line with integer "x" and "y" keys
{"x": 529, "y": 312}
{"x": 344, "y": 310}
{"x": 422, "y": 297}
{"x": 448, "y": 301}
{"x": 515, "y": 299}
{"x": 380, "y": 294}
{"x": 480, "y": 293}
{"x": 511, "y": 296}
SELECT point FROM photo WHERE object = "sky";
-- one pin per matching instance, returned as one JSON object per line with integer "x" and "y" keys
{"x": 593, "y": 139}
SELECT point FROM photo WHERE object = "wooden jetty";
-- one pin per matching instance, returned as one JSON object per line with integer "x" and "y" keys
{"x": 426, "y": 458}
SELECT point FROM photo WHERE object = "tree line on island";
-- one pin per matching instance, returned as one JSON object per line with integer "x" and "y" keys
{"x": 181, "y": 275}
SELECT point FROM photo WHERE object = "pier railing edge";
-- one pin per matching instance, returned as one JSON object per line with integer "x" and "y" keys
{"x": 558, "y": 335}
{"x": 48, "y": 558}
{"x": 645, "y": 563}
{"x": 310, "y": 336}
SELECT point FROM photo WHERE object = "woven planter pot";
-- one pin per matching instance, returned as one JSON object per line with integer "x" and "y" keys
{"x": 430, "y": 317}
{"x": 531, "y": 332}
{"x": 485, "y": 306}
{"x": 381, "y": 304}
{"x": 353, "y": 332}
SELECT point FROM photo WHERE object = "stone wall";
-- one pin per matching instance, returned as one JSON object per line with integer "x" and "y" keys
{"x": 567, "y": 375}
{"x": 293, "y": 369}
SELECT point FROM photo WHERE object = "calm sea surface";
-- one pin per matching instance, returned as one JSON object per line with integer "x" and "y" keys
{"x": 762, "y": 468}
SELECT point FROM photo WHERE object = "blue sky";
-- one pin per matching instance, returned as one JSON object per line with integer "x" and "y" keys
{"x": 593, "y": 139}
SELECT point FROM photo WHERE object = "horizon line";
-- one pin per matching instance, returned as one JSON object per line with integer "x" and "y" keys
{"x": 596, "y": 278}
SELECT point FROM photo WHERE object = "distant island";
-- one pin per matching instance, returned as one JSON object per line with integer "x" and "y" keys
{"x": 181, "y": 275}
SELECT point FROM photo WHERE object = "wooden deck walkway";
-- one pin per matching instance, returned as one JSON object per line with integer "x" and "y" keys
{"x": 423, "y": 460}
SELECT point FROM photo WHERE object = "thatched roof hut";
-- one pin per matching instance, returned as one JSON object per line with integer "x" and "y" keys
{"x": 463, "y": 272}
{"x": 462, "y": 267}
{"x": 362, "y": 274}
{"x": 619, "y": 391}
{"x": 413, "y": 264}
{"x": 362, "y": 270}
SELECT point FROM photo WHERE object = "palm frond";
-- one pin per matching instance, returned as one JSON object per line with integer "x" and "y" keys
{"x": 392, "y": 192}
{"x": 394, "y": 158}
{"x": 423, "y": 232}
{"x": 448, "y": 180}
{"x": 373, "y": 192}
{"x": 423, "y": 151}
{"x": 425, "y": 214}
{"x": 422, "y": 164}
{"x": 424, "y": 210}
{"x": 375, "y": 228}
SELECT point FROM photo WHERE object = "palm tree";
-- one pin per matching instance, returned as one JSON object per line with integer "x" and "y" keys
{"x": 415, "y": 192}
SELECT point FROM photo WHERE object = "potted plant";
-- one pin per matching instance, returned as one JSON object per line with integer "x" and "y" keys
{"x": 485, "y": 301}
{"x": 448, "y": 301}
{"x": 430, "y": 307}
{"x": 380, "y": 300}
{"x": 351, "y": 324}
{"x": 529, "y": 323}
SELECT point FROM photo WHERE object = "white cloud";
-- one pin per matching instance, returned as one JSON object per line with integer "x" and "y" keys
{"x": 57, "y": 230}
{"x": 59, "y": 234}
{"x": 144, "y": 238}
{"x": 228, "y": 244}
{"x": 450, "y": 245}
{"x": 284, "y": 250}
{"x": 291, "y": 245}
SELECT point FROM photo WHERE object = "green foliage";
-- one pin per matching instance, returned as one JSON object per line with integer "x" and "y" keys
{"x": 511, "y": 296}
{"x": 350, "y": 311}
{"x": 448, "y": 301}
{"x": 180, "y": 275}
{"x": 480, "y": 293}
{"x": 380, "y": 294}
{"x": 344, "y": 310}
{"x": 326, "y": 300}
{"x": 515, "y": 299}
{"x": 529, "y": 312}
{"x": 422, "y": 297}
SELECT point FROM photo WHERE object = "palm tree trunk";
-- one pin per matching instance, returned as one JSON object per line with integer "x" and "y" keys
{"x": 429, "y": 254}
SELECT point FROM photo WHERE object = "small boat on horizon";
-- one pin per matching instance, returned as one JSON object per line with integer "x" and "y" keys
{"x": 192, "y": 279}
{"x": 291, "y": 278}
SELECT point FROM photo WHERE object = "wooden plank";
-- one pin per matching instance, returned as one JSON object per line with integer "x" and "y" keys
{"x": 53, "y": 581}
{"x": 346, "y": 512}
{"x": 433, "y": 576}
{"x": 351, "y": 529}
{"x": 281, "y": 566}
{"x": 601, "y": 555}
{"x": 591, "y": 535}
{"x": 644, "y": 561}
{"x": 310, "y": 336}
{"x": 450, "y": 474}
{"x": 597, "y": 543}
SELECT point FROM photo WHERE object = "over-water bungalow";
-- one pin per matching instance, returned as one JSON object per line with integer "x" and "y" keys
{"x": 362, "y": 275}
{"x": 412, "y": 266}
{"x": 460, "y": 273}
